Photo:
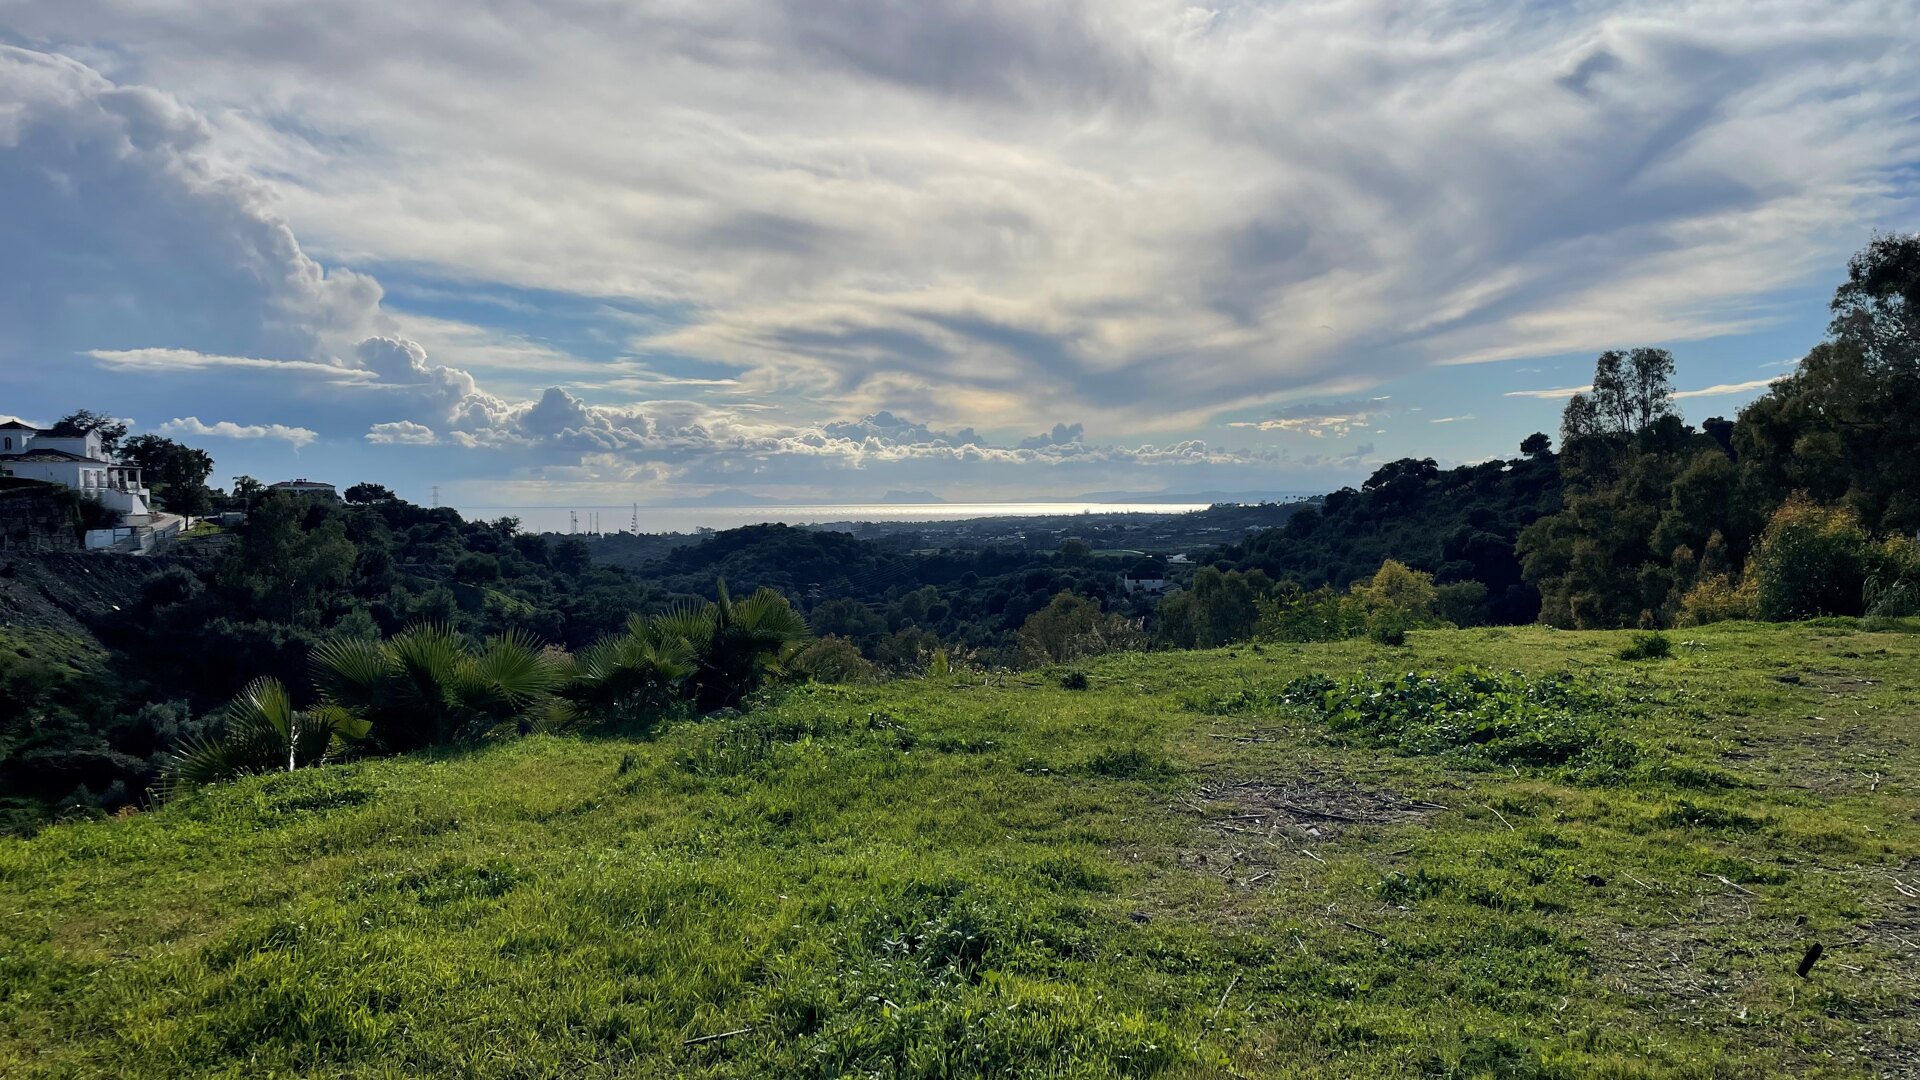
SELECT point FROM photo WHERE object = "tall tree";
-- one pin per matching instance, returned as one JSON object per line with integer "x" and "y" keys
{"x": 1650, "y": 386}
{"x": 110, "y": 429}
{"x": 177, "y": 474}
{"x": 1613, "y": 392}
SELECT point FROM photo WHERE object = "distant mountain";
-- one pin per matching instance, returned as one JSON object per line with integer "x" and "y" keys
{"x": 919, "y": 497}
{"x": 1196, "y": 497}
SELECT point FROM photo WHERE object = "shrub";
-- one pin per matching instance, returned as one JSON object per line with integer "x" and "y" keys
{"x": 1717, "y": 598}
{"x": 1391, "y": 633}
{"x": 1810, "y": 561}
{"x": 1073, "y": 628}
{"x": 1074, "y": 680}
{"x": 1320, "y": 615}
{"x": 833, "y": 660}
{"x": 1648, "y": 646}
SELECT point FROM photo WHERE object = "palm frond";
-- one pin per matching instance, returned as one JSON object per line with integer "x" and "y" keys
{"x": 350, "y": 672}
{"x": 514, "y": 669}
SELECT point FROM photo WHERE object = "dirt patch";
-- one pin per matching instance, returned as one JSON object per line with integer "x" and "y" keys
{"x": 1256, "y": 832}
{"x": 1703, "y": 953}
{"x": 1312, "y": 811}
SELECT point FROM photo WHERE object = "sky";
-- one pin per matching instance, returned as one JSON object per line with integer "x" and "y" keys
{"x": 554, "y": 252}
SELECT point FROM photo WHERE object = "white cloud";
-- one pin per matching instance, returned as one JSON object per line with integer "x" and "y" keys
{"x": 1453, "y": 419}
{"x": 1564, "y": 392}
{"x": 1117, "y": 209}
{"x": 1554, "y": 394}
{"x": 985, "y": 216}
{"x": 297, "y": 437}
{"x": 404, "y": 432}
{"x": 183, "y": 360}
{"x": 1730, "y": 388}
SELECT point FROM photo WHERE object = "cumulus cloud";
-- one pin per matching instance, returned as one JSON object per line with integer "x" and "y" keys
{"x": 126, "y": 234}
{"x": 1061, "y": 435}
{"x": 401, "y": 432}
{"x": 297, "y": 437}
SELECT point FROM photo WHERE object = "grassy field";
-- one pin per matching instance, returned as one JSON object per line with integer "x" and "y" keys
{"x": 1198, "y": 866}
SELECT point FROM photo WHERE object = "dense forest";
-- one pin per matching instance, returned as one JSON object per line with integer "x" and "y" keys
{"x": 314, "y": 628}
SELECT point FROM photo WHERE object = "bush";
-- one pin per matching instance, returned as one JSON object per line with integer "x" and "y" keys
{"x": 1074, "y": 680}
{"x": 1073, "y": 628}
{"x": 1810, "y": 561}
{"x": 1320, "y": 615}
{"x": 1718, "y": 598}
{"x": 1389, "y": 634}
{"x": 1648, "y": 646}
{"x": 833, "y": 660}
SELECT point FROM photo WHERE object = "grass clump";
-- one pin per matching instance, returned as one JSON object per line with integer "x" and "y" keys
{"x": 1648, "y": 645}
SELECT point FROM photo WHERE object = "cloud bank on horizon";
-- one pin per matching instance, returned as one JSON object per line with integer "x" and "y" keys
{"x": 560, "y": 249}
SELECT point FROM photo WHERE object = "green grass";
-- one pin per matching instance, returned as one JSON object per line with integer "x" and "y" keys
{"x": 1006, "y": 877}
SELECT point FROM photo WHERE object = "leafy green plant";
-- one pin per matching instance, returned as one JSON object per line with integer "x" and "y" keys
{"x": 261, "y": 731}
{"x": 1473, "y": 716}
{"x": 629, "y": 676}
{"x": 735, "y": 646}
{"x": 425, "y": 687}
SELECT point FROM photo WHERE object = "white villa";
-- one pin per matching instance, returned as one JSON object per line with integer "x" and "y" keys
{"x": 310, "y": 488}
{"x": 73, "y": 458}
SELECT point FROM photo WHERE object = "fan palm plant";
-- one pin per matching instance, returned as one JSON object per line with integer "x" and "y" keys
{"x": 261, "y": 731}
{"x": 735, "y": 645}
{"x": 627, "y": 676}
{"x": 424, "y": 687}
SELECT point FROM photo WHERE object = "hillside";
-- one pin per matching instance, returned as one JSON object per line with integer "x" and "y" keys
{"x": 1201, "y": 865}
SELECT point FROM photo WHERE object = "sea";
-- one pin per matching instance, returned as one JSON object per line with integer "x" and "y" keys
{"x": 687, "y": 519}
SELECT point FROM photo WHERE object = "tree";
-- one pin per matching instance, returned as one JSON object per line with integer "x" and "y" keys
{"x": 246, "y": 489}
{"x": 1073, "y": 628}
{"x": 1843, "y": 426}
{"x": 1613, "y": 393}
{"x": 1580, "y": 420}
{"x": 1812, "y": 560}
{"x": 279, "y": 561}
{"x": 363, "y": 494}
{"x": 1398, "y": 595}
{"x": 1536, "y": 445}
{"x": 1650, "y": 386}
{"x": 110, "y": 429}
{"x": 177, "y": 474}
{"x": 1219, "y": 608}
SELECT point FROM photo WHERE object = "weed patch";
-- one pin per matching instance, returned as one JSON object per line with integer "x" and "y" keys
{"x": 1474, "y": 717}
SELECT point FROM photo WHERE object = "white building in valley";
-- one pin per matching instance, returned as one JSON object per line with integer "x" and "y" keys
{"x": 75, "y": 459}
